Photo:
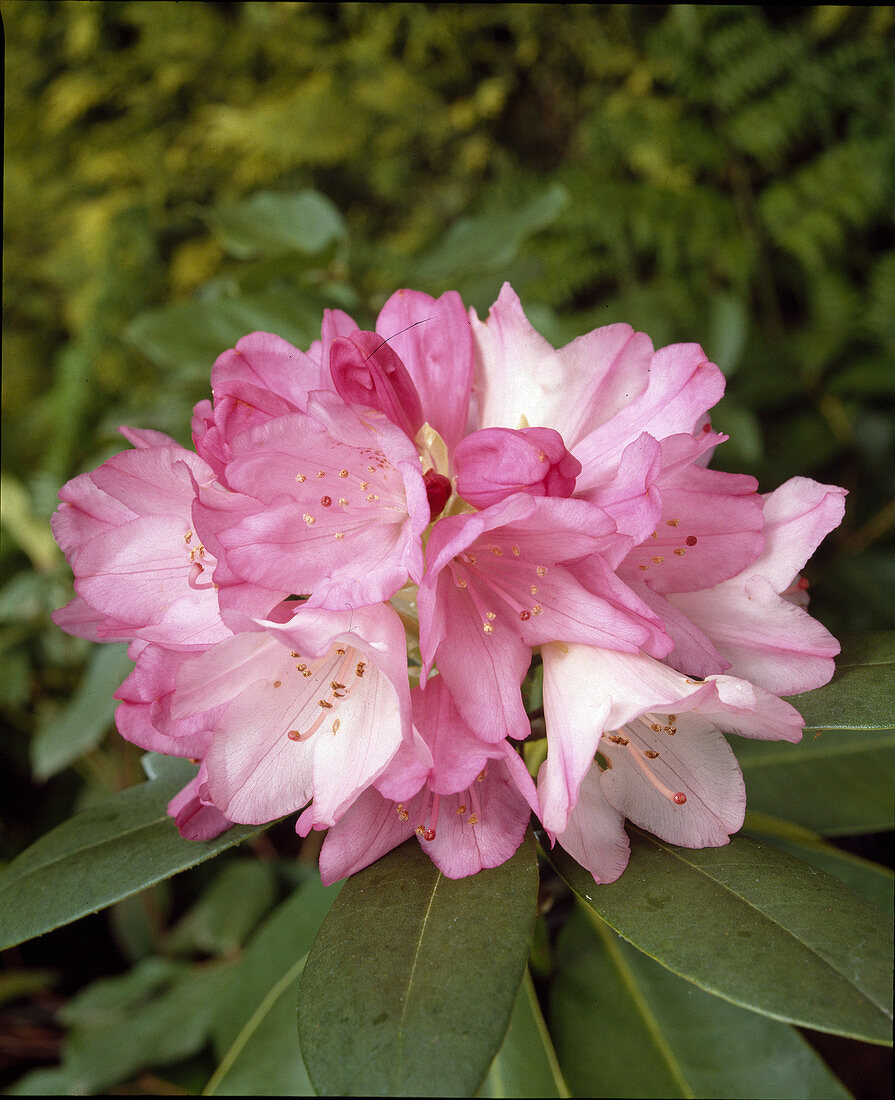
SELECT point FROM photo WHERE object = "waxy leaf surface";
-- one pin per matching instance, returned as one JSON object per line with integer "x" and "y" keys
{"x": 626, "y": 1026}
{"x": 411, "y": 981}
{"x": 861, "y": 694}
{"x": 103, "y": 854}
{"x": 526, "y": 1063}
{"x": 755, "y": 926}
{"x": 833, "y": 782}
{"x": 254, "y": 1029}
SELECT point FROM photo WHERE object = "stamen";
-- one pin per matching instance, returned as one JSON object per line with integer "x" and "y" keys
{"x": 677, "y": 797}
{"x": 691, "y": 540}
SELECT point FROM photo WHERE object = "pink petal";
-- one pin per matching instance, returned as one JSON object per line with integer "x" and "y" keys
{"x": 518, "y": 374}
{"x": 595, "y": 835}
{"x": 434, "y": 341}
{"x": 697, "y": 762}
{"x": 370, "y": 828}
{"x": 367, "y": 372}
{"x": 494, "y": 463}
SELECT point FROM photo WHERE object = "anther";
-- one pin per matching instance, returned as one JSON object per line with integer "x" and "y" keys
{"x": 473, "y": 819}
{"x": 339, "y": 535}
{"x": 343, "y": 473}
{"x": 490, "y": 616}
{"x": 309, "y": 519}
{"x": 323, "y": 703}
{"x": 650, "y": 754}
{"x": 336, "y": 724}
{"x": 488, "y": 628}
{"x": 680, "y": 551}
{"x": 300, "y": 477}
{"x": 277, "y": 683}
{"x": 515, "y": 550}
{"x": 320, "y": 473}
{"x": 672, "y": 522}
{"x": 658, "y": 559}
{"x": 542, "y": 570}
{"x": 187, "y": 538}
{"x": 294, "y": 735}
{"x": 534, "y": 590}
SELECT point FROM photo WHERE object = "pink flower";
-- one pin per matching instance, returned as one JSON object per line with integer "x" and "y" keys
{"x": 666, "y": 765}
{"x": 127, "y": 532}
{"x": 541, "y": 498}
{"x": 313, "y": 705}
{"x": 496, "y": 585}
{"x": 494, "y": 463}
{"x": 469, "y": 807}
{"x": 331, "y": 504}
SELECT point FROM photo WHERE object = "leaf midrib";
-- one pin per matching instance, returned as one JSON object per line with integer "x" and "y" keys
{"x": 773, "y": 920}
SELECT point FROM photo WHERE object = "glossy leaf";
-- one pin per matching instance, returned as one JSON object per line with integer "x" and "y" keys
{"x": 871, "y": 880}
{"x": 861, "y": 694}
{"x": 755, "y": 926}
{"x": 526, "y": 1063}
{"x": 81, "y": 724}
{"x": 254, "y": 1030}
{"x": 836, "y": 781}
{"x": 625, "y": 1026}
{"x": 106, "y": 852}
{"x": 411, "y": 981}
{"x": 271, "y": 223}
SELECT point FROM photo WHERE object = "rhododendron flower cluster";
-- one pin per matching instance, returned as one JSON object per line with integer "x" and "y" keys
{"x": 333, "y": 601}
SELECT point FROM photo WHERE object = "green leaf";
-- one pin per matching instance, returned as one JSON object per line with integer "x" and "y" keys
{"x": 625, "y": 1026}
{"x": 490, "y": 241}
{"x": 272, "y": 223}
{"x": 838, "y": 781}
{"x": 526, "y": 1063}
{"x": 187, "y": 337}
{"x": 254, "y": 1029}
{"x": 228, "y": 910}
{"x": 755, "y": 926}
{"x": 861, "y": 695}
{"x": 410, "y": 983}
{"x": 870, "y": 880}
{"x": 165, "y": 1029}
{"x": 107, "y": 852}
{"x": 81, "y": 724}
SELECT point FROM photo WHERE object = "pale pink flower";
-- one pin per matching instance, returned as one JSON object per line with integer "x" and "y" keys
{"x": 127, "y": 532}
{"x": 468, "y": 805}
{"x": 666, "y": 765}
{"x": 313, "y": 705}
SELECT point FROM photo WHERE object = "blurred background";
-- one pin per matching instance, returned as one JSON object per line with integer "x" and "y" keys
{"x": 179, "y": 174}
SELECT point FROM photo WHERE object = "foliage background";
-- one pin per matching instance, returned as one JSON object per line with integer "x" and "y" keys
{"x": 719, "y": 174}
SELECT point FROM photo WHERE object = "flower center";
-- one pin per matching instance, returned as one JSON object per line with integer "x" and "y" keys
{"x": 641, "y": 756}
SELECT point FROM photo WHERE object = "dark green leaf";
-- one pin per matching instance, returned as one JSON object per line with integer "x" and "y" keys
{"x": 411, "y": 981}
{"x": 626, "y": 1026}
{"x": 107, "y": 852}
{"x": 526, "y": 1063}
{"x": 870, "y": 880}
{"x": 838, "y": 781}
{"x": 755, "y": 926}
{"x": 271, "y": 223}
{"x": 227, "y": 911}
{"x": 80, "y": 725}
{"x": 254, "y": 1029}
{"x": 861, "y": 695}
